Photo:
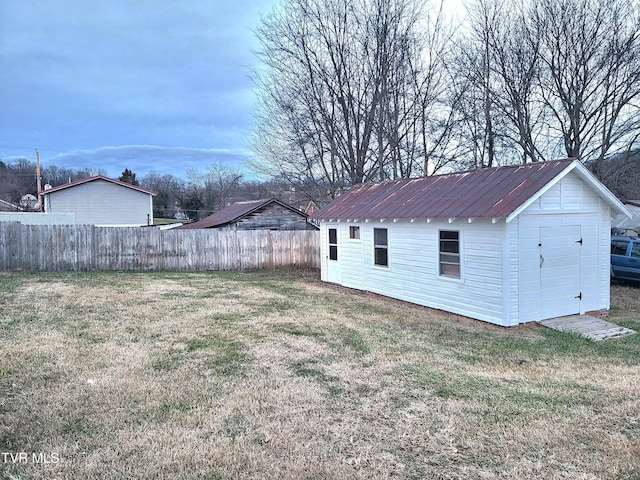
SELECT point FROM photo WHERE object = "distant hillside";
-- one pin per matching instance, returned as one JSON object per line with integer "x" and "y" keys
{"x": 622, "y": 176}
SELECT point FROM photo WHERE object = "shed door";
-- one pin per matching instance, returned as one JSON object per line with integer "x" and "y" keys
{"x": 560, "y": 252}
{"x": 333, "y": 265}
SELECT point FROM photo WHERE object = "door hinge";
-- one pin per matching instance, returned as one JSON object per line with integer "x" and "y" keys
{"x": 579, "y": 296}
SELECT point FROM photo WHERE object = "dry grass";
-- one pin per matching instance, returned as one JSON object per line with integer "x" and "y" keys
{"x": 276, "y": 375}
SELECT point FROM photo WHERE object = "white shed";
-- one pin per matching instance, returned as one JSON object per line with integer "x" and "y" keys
{"x": 102, "y": 201}
{"x": 505, "y": 245}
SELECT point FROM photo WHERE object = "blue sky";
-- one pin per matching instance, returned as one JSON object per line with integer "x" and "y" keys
{"x": 149, "y": 85}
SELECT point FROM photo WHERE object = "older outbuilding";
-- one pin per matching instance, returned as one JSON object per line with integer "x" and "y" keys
{"x": 265, "y": 214}
{"x": 505, "y": 245}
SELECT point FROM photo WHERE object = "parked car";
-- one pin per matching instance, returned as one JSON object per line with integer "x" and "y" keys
{"x": 625, "y": 258}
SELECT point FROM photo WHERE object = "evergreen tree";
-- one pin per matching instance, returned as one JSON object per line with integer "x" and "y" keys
{"x": 128, "y": 177}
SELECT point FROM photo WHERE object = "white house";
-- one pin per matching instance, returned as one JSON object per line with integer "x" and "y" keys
{"x": 505, "y": 245}
{"x": 628, "y": 226}
{"x": 102, "y": 201}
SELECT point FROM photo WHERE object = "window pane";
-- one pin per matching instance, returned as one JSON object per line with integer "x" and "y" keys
{"x": 635, "y": 249}
{"x": 333, "y": 236}
{"x": 619, "y": 247}
{"x": 448, "y": 235}
{"x": 381, "y": 256}
{"x": 354, "y": 232}
{"x": 380, "y": 236}
{"x": 450, "y": 270}
{"x": 449, "y": 246}
{"x": 450, "y": 253}
{"x": 333, "y": 252}
{"x": 449, "y": 258}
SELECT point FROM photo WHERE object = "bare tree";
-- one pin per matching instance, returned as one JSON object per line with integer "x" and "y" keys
{"x": 317, "y": 97}
{"x": 476, "y": 83}
{"x": 417, "y": 111}
{"x": 621, "y": 174}
{"x": 338, "y": 103}
{"x": 514, "y": 50}
{"x": 540, "y": 79}
{"x": 590, "y": 74}
{"x": 359, "y": 90}
{"x": 217, "y": 184}
{"x": 395, "y": 28}
{"x": 170, "y": 193}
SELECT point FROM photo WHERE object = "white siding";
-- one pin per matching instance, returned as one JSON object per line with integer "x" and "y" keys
{"x": 324, "y": 251}
{"x": 352, "y": 252}
{"x": 412, "y": 274}
{"x": 500, "y": 276}
{"x": 100, "y": 202}
{"x": 511, "y": 278}
{"x": 569, "y": 202}
{"x": 604, "y": 259}
{"x": 570, "y": 194}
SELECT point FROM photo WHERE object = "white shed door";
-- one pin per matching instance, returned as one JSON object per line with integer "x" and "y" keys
{"x": 333, "y": 263}
{"x": 560, "y": 253}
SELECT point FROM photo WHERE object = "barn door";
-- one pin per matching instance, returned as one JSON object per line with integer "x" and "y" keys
{"x": 560, "y": 272}
{"x": 333, "y": 265}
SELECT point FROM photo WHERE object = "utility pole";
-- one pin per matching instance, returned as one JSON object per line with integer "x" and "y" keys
{"x": 38, "y": 180}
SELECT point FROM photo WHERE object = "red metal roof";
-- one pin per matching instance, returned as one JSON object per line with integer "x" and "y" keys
{"x": 97, "y": 177}
{"x": 490, "y": 192}
{"x": 234, "y": 212}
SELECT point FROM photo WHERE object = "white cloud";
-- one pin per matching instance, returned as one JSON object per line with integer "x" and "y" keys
{"x": 143, "y": 159}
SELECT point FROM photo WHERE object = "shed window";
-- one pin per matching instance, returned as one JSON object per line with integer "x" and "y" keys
{"x": 354, "y": 232}
{"x": 450, "y": 253}
{"x": 380, "y": 247}
{"x": 333, "y": 244}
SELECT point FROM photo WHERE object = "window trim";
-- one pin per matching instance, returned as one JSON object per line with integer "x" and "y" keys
{"x": 333, "y": 247}
{"x": 440, "y": 263}
{"x": 385, "y": 247}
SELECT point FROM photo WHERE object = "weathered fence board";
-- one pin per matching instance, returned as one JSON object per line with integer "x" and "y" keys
{"x": 85, "y": 247}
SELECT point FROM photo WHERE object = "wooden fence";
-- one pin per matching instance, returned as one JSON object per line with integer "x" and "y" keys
{"x": 85, "y": 247}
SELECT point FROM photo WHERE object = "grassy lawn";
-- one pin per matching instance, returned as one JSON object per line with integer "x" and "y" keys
{"x": 276, "y": 375}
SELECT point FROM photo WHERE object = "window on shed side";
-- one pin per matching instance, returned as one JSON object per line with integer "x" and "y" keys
{"x": 354, "y": 233}
{"x": 449, "y": 253}
{"x": 333, "y": 244}
{"x": 380, "y": 247}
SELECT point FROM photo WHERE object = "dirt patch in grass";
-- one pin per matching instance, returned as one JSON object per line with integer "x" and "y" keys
{"x": 274, "y": 374}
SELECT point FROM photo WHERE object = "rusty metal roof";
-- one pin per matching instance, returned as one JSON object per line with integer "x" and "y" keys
{"x": 490, "y": 192}
{"x": 235, "y": 212}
